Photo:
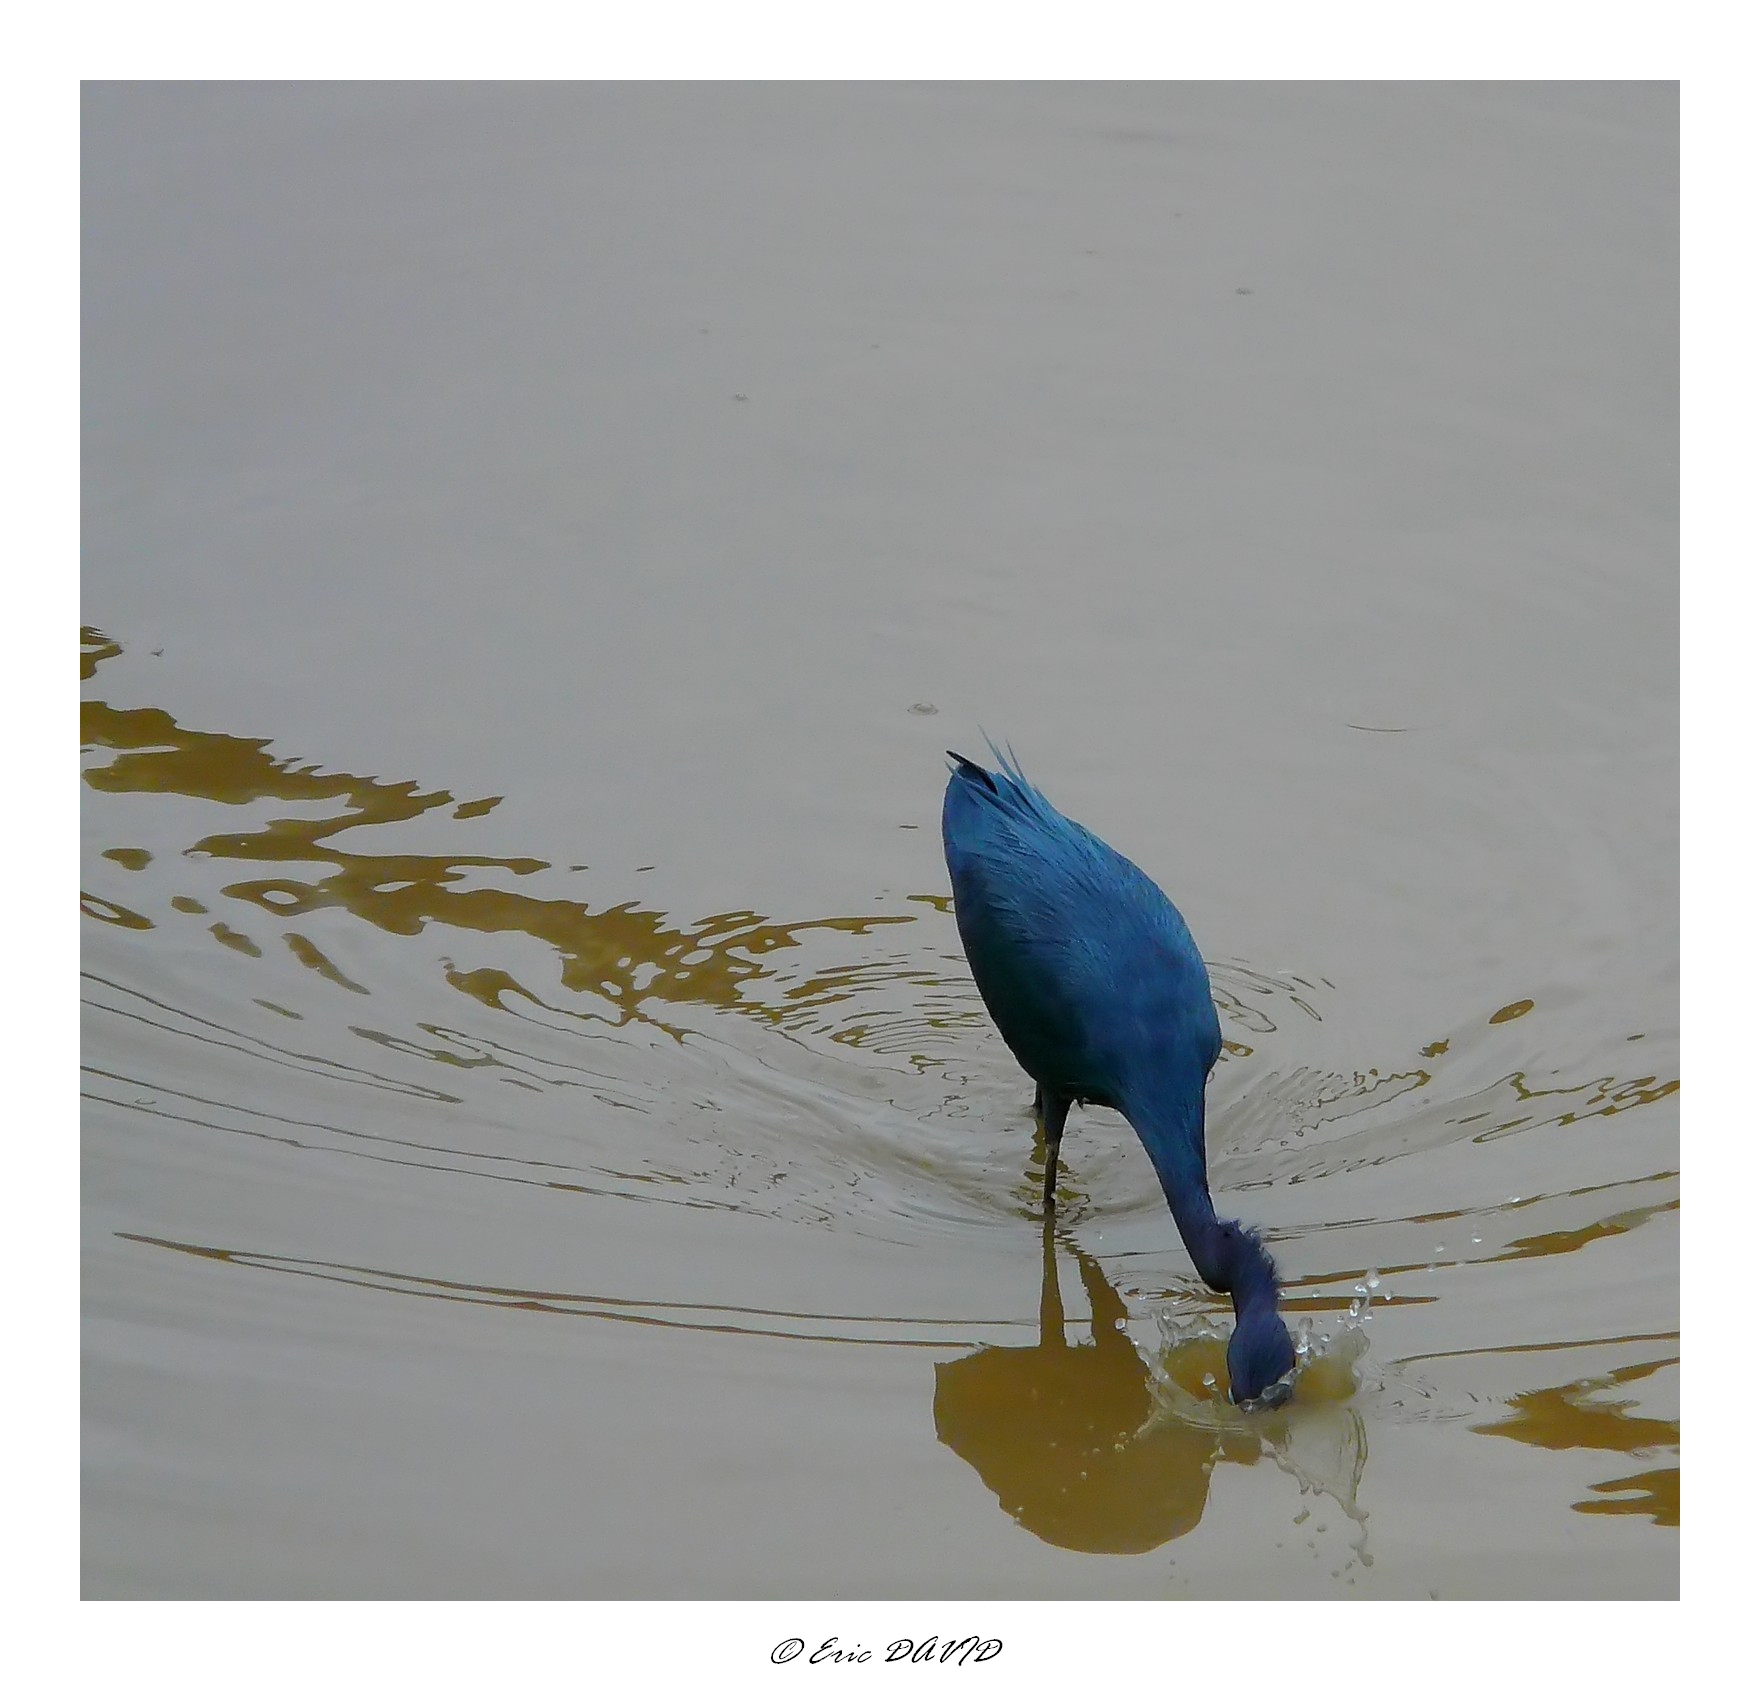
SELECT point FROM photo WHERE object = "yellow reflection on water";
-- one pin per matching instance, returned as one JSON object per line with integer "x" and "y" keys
{"x": 1574, "y": 1416}
{"x": 1583, "y": 1415}
{"x": 1652, "y": 1494}
{"x": 712, "y": 962}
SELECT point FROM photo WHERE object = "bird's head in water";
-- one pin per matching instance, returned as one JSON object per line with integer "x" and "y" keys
{"x": 1261, "y": 1362}
{"x": 1261, "y": 1357}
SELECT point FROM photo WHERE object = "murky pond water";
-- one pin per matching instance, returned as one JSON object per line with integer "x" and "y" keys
{"x": 541, "y": 1136}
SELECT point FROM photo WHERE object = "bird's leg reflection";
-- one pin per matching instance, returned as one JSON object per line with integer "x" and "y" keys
{"x": 1091, "y": 1448}
{"x": 1056, "y": 1430}
{"x": 1052, "y": 1110}
{"x": 1050, "y": 1295}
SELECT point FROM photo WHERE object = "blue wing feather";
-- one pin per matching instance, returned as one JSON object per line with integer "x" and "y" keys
{"x": 1088, "y": 970}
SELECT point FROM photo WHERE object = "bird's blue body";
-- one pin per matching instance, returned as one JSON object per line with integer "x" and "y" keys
{"x": 1096, "y": 985}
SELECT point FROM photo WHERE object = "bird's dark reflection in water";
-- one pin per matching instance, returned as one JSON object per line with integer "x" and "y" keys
{"x": 1078, "y": 1444}
{"x": 1055, "y": 1430}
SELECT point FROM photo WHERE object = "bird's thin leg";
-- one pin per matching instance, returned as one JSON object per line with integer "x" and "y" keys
{"x": 1053, "y": 1108}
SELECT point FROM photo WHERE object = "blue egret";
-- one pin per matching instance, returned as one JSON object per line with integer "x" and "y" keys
{"x": 1096, "y": 985}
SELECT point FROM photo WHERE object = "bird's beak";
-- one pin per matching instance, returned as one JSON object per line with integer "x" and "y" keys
{"x": 1272, "y": 1397}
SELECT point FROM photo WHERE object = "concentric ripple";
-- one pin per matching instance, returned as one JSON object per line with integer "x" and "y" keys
{"x": 261, "y": 964}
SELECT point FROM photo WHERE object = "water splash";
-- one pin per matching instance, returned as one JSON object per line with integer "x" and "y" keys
{"x": 1319, "y": 1438}
{"x": 1189, "y": 1371}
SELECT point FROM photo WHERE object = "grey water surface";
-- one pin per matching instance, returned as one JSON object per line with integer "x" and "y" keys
{"x": 540, "y": 1133}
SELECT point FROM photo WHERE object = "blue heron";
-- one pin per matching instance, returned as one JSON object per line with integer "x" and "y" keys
{"x": 1096, "y": 985}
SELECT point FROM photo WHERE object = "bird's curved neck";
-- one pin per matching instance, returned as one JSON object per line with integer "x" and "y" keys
{"x": 1230, "y": 1259}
